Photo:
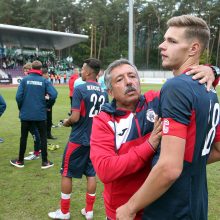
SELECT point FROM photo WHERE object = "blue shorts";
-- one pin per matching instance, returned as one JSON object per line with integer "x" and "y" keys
{"x": 76, "y": 161}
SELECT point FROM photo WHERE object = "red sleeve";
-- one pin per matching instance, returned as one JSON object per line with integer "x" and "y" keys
{"x": 215, "y": 83}
{"x": 71, "y": 82}
{"x": 108, "y": 164}
{"x": 174, "y": 128}
{"x": 217, "y": 136}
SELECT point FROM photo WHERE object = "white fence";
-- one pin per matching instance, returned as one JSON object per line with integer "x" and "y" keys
{"x": 154, "y": 76}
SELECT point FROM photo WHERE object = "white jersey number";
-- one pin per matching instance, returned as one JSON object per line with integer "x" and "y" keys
{"x": 94, "y": 99}
{"x": 211, "y": 134}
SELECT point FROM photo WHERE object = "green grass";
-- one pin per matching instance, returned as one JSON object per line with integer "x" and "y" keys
{"x": 30, "y": 193}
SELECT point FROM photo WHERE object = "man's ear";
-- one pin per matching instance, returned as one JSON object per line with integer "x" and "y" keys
{"x": 110, "y": 93}
{"x": 195, "y": 49}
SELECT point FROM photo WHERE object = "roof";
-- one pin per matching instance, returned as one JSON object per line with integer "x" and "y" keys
{"x": 22, "y": 37}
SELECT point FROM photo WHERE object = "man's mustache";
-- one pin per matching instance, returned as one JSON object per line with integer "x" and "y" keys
{"x": 129, "y": 89}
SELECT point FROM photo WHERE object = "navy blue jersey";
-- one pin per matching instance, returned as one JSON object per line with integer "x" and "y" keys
{"x": 88, "y": 99}
{"x": 192, "y": 113}
{"x": 30, "y": 97}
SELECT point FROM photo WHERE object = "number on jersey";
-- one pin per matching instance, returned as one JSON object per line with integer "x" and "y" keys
{"x": 211, "y": 134}
{"x": 94, "y": 99}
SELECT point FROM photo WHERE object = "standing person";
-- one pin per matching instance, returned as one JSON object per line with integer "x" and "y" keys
{"x": 2, "y": 110}
{"x": 72, "y": 79}
{"x": 32, "y": 105}
{"x": 33, "y": 129}
{"x": 88, "y": 99}
{"x": 45, "y": 74}
{"x": 121, "y": 144}
{"x": 78, "y": 81}
{"x": 101, "y": 79}
{"x": 64, "y": 78}
{"x": 59, "y": 78}
{"x": 176, "y": 187}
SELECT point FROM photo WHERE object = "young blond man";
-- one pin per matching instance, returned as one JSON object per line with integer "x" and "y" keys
{"x": 176, "y": 187}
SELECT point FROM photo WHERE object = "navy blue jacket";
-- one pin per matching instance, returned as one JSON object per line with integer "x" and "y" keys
{"x": 30, "y": 97}
{"x": 2, "y": 105}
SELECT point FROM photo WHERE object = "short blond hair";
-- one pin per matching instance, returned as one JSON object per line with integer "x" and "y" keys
{"x": 27, "y": 66}
{"x": 195, "y": 28}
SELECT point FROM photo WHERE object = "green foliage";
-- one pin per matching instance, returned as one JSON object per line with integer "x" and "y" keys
{"x": 106, "y": 22}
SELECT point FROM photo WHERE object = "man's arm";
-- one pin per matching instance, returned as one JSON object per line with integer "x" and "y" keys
{"x": 205, "y": 74}
{"x": 20, "y": 94}
{"x": 160, "y": 179}
{"x": 72, "y": 119}
{"x": 2, "y": 105}
{"x": 52, "y": 93}
{"x": 215, "y": 153}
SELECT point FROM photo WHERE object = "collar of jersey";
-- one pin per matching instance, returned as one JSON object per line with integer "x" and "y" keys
{"x": 92, "y": 81}
{"x": 39, "y": 72}
{"x": 186, "y": 70}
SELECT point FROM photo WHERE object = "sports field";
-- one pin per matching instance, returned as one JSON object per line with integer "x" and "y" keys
{"x": 30, "y": 193}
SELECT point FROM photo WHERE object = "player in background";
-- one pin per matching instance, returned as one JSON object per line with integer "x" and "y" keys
{"x": 88, "y": 100}
{"x": 74, "y": 76}
{"x": 32, "y": 107}
{"x": 176, "y": 187}
{"x": 2, "y": 110}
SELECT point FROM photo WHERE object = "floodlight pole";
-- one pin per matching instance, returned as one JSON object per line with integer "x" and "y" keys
{"x": 130, "y": 37}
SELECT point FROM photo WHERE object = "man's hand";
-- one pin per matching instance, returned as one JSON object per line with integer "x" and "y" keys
{"x": 155, "y": 136}
{"x": 47, "y": 97}
{"x": 66, "y": 122}
{"x": 204, "y": 74}
{"x": 124, "y": 213}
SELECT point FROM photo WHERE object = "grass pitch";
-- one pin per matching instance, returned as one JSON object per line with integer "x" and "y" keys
{"x": 30, "y": 193}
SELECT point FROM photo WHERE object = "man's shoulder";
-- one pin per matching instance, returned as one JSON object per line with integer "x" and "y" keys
{"x": 179, "y": 82}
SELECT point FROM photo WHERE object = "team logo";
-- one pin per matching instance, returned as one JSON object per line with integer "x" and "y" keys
{"x": 151, "y": 115}
{"x": 122, "y": 132}
{"x": 166, "y": 124}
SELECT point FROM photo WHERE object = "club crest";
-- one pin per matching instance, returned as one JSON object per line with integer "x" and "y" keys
{"x": 151, "y": 115}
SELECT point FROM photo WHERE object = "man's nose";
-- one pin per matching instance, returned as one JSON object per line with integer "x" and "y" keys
{"x": 128, "y": 80}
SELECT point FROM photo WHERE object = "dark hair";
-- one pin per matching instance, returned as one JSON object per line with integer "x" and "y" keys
{"x": 94, "y": 64}
{"x": 37, "y": 65}
{"x": 44, "y": 70}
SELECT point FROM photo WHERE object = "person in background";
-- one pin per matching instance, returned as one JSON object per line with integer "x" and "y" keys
{"x": 32, "y": 107}
{"x": 64, "y": 78}
{"x": 2, "y": 110}
{"x": 78, "y": 81}
{"x": 101, "y": 80}
{"x": 88, "y": 100}
{"x": 45, "y": 74}
{"x": 72, "y": 79}
{"x": 176, "y": 187}
{"x": 59, "y": 78}
{"x": 33, "y": 129}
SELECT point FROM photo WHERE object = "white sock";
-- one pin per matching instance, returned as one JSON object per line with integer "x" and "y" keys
{"x": 65, "y": 196}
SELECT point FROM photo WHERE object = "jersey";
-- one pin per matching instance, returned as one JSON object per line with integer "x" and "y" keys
{"x": 88, "y": 100}
{"x": 188, "y": 111}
